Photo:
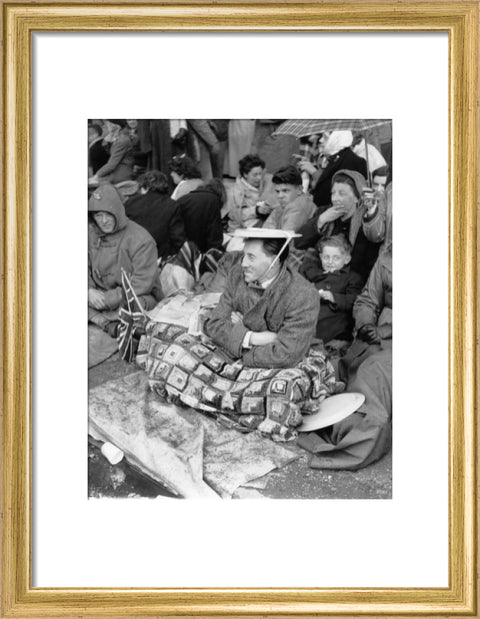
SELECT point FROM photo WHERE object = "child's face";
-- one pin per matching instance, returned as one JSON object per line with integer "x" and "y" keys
{"x": 333, "y": 259}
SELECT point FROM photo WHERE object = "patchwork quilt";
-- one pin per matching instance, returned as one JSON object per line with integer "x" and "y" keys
{"x": 190, "y": 369}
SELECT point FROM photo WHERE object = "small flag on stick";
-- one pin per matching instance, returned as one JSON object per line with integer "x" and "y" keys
{"x": 132, "y": 317}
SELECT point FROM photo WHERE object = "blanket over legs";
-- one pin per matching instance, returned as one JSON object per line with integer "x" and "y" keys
{"x": 193, "y": 370}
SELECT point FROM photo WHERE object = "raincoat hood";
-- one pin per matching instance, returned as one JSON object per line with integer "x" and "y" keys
{"x": 106, "y": 198}
{"x": 357, "y": 178}
{"x": 337, "y": 141}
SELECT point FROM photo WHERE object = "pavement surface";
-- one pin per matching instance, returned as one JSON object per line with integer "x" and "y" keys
{"x": 294, "y": 481}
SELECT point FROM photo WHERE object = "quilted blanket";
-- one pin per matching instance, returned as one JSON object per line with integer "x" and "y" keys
{"x": 191, "y": 369}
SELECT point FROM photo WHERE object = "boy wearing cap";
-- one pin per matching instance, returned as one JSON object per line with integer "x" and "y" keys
{"x": 267, "y": 313}
{"x": 295, "y": 207}
{"x": 328, "y": 267}
{"x": 116, "y": 242}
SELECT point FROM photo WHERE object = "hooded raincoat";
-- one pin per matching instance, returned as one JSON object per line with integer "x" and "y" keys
{"x": 129, "y": 246}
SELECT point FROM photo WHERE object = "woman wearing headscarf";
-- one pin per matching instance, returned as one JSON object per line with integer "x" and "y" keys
{"x": 348, "y": 215}
{"x": 336, "y": 154}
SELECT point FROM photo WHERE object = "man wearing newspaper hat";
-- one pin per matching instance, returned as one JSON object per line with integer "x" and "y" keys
{"x": 268, "y": 312}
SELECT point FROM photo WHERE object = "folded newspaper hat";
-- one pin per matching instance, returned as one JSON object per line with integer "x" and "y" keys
{"x": 265, "y": 233}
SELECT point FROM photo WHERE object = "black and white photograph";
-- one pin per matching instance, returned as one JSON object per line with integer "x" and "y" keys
{"x": 240, "y": 308}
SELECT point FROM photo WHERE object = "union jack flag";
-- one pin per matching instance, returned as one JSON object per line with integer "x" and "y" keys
{"x": 132, "y": 318}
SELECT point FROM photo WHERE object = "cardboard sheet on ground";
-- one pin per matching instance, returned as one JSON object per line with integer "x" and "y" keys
{"x": 100, "y": 346}
{"x": 191, "y": 454}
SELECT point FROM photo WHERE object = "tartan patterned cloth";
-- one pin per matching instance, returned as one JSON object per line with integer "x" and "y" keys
{"x": 194, "y": 371}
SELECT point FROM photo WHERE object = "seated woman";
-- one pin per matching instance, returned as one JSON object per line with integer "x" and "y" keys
{"x": 252, "y": 197}
{"x": 115, "y": 242}
{"x": 155, "y": 211}
{"x": 253, "y": 365}
{"x": 348, "y": 215}
{"x": 185, "y": 175}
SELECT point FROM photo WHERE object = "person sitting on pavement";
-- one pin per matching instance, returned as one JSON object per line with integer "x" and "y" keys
{"x": 267, "y": 313}
{"x": 349, "y": 216}
{"x": 252, "y": 197}
{"x": 327, "y": 266}
{"x": 295, "y": 207}
{"x": 364, "y": 436}
{"x": 200, "y": 210}
{"x": 157, "y": 213}
{"x": 115, "y": 242}
{"x": 185, "y": 175}
{"x": 119, "y": 166}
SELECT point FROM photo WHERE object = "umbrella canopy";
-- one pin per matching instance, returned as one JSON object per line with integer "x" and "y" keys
{"x": 302, "y": 128}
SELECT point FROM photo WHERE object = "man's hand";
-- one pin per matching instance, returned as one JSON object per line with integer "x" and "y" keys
{"x": 236, "y": 318}
{"x": 96, "y": 299}
{"x": 368, "y": 334}
{"x": 261, "y": 338}
{"x": 326, "y": 295}
{"x": 331, "y": 214}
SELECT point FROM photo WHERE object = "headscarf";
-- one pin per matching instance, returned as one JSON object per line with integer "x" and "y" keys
{"x": 337, "y": 141}
{"x": 375, "y": 158}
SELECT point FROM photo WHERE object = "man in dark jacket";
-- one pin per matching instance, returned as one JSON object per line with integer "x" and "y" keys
{"x": 158, "y": 213}
{"x": 201, "y": 213}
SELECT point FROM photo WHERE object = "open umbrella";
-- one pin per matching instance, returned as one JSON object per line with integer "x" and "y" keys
{"x": 302, "y": 128}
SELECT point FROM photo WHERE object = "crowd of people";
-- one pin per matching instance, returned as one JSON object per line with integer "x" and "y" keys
{"x": 300, "y": 228}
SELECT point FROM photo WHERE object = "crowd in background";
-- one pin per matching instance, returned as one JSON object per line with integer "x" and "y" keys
{"x": 156, "y": 185}
{"x": 200, "y": 180}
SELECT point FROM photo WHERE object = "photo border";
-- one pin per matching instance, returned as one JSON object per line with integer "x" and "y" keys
{"x": 20, "y": 20}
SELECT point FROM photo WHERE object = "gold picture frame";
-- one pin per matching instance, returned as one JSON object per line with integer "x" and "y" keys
{"x": 461, "y": 21}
